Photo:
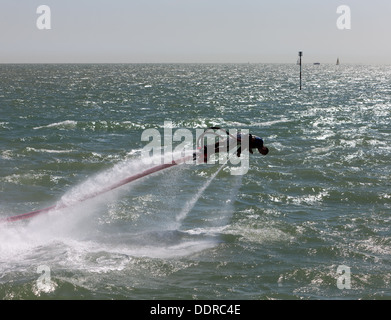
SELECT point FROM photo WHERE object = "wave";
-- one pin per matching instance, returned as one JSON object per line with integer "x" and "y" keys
{"x": 112, "y": 126}
{"x": 48, "y": 150}
{"x": 67, "y": 124}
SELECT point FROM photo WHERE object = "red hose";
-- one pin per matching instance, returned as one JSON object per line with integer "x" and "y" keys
{"x": 92, "y": 195}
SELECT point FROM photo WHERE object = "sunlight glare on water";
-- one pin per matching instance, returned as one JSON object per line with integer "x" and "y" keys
{"x": 320, "y": 199}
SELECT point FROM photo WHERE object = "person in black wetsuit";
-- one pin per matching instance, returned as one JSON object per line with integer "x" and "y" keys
{"x": 254, "y": 142}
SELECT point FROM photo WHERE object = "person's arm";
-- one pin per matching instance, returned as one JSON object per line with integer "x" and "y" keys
{"x": 239, "y": 151}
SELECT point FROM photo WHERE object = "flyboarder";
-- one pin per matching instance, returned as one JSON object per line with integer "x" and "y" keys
{"x": 254, "y": 142}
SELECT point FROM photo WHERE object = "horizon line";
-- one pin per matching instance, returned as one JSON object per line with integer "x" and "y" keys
{"x": 195, "y": 62}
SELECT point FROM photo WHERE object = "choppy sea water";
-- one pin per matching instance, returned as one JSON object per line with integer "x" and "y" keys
{"x": 320, "y": 200}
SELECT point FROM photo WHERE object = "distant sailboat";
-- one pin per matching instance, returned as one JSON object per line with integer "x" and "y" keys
{"x": 337, "y": 62}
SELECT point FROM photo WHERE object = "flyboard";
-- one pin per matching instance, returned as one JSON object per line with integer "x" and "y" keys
{"x": 118, "y": 184}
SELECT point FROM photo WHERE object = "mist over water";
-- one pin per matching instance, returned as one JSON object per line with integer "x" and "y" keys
{"x": 320, "y": 198}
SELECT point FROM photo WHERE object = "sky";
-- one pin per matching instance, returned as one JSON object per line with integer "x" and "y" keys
{"x": 195, "y": 31}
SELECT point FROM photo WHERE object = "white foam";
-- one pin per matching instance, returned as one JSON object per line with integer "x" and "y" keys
{"x": 48, "y": 150}
{"x": 76, "y": 238}
{"x": 67, "y": 124}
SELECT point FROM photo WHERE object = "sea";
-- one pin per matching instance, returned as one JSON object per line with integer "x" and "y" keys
{"x": 308, "y": 221}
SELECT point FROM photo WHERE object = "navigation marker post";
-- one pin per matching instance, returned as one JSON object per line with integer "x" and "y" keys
{"x": 300, "y": 55}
